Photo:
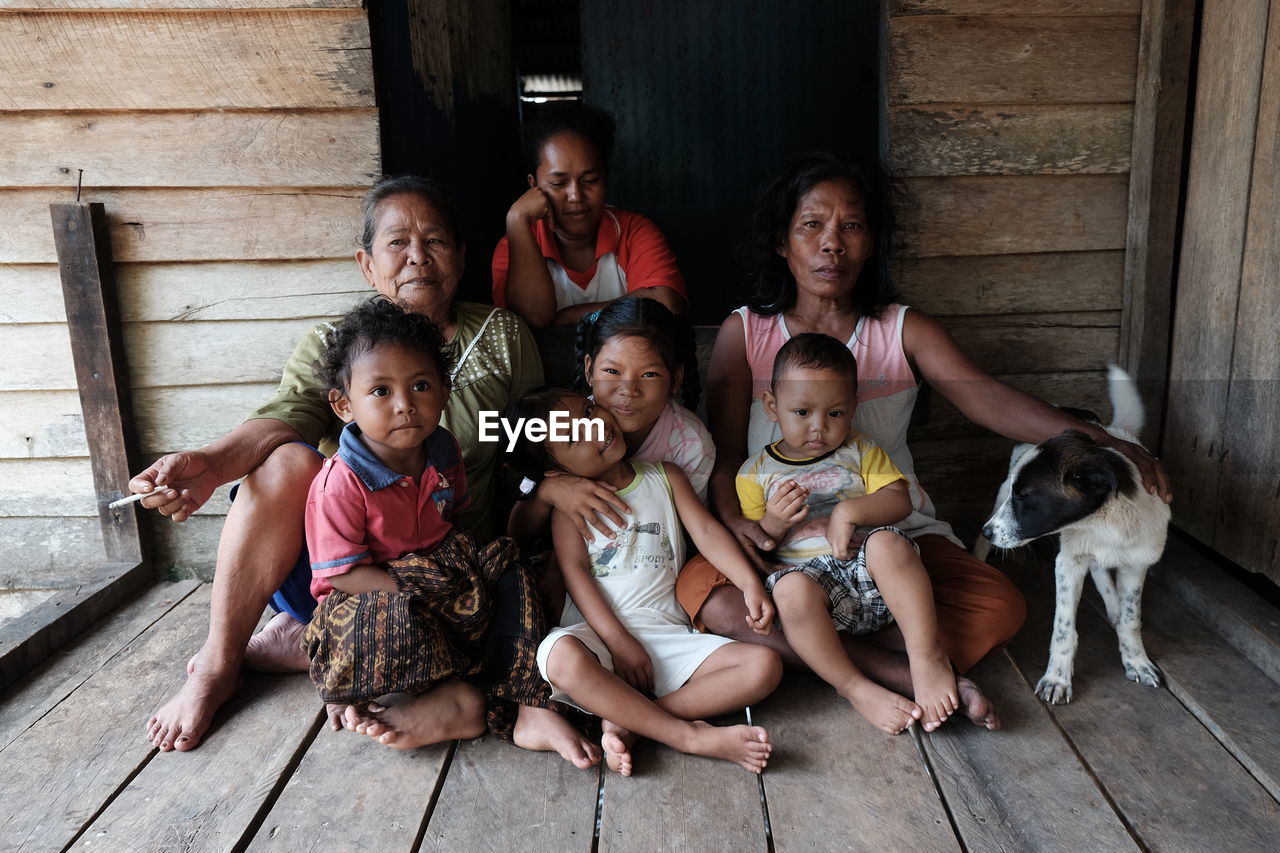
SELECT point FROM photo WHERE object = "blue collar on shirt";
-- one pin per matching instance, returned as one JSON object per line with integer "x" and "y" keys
{"x": 360, "y": 459}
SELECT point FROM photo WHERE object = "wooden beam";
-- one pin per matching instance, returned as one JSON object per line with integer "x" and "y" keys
{"x": 1155, "y": 190}
{"x": 89, "y": 290}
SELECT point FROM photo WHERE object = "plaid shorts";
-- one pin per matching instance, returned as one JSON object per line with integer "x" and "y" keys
{"x": 856, "y": 605}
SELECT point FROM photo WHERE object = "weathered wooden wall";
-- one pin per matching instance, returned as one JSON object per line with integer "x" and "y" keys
{"x": 1222, "y": 435}
{"x": 1010, "y": 125}
{"x": 230, "y": 141}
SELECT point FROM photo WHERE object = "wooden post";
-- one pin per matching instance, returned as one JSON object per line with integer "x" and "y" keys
{"x": 1155, "y": 196}
{"x": 89, "y": 291}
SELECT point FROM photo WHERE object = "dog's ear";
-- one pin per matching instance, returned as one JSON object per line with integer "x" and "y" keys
{"x": 1090, "y": 478}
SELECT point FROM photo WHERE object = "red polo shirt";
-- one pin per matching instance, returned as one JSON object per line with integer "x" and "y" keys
{"x": 359, "y": 512}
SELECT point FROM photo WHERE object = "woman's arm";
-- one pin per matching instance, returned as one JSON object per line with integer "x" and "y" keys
{"x": 718, "y": 546}
{"x": 571, "y": 314}
{"x": 182, "y": 482}
{"x": 986, "y": 401}
{"x": 728, "y": 413}
{"x": 529, "y": 290}
{"x": 630, "y": 661}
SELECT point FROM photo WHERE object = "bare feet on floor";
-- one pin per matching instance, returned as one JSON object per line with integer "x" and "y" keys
{"x": 746, "y": 746}
{"x": 975, "y": 705}
{"x": 933, "y": 682}
{"x": 617, "y": 743}
{"x": 182, "y": 721}
{"x": 351, "y": 717}
{"x": 544, "y": 730}
{"x": 451, "y": 711}
{"x": 885, "y": 709}
{"x": 277, "y": 647}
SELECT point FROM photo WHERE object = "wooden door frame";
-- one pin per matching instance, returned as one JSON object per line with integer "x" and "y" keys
{"x": 1157, "y": 194}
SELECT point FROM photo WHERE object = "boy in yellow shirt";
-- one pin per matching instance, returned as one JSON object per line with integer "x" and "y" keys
{"x": 829, "y": 498}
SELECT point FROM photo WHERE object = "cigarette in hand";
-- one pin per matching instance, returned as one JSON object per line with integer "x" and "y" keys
{"x": 137, "y": 497}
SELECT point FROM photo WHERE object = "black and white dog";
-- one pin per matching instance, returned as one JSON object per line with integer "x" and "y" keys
{"x": 1093, "y": 498}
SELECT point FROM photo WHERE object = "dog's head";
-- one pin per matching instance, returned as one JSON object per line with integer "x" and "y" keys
{"x": 1055, "y": 484}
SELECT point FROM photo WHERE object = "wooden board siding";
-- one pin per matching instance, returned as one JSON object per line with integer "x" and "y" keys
{"x": 1220, "y": 433}
{"x": 1009, "y": 126}
{"x": 230, "y": 141}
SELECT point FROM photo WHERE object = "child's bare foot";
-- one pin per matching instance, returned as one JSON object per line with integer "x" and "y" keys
{"x": 344, "y": 716}
{"x": 448, "y": 712}
{"x": 975, "y": 705}
{"x": 277, "y": 647}
{"x": 746, "y": 746}
{"x": 182, "y": 721}
{"x": 883, "y": 708}
{"x": 544, "y": 730}
{"x": 617, "y": 742}
{"x": 933, "y": 682}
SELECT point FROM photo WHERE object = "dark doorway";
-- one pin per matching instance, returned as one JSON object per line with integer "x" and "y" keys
{"x": 711, "y": 97}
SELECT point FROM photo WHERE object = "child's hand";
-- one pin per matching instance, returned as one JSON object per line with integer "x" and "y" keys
{"x": 841, "y": 529}
{"x": 631, "y": 663}
{"x": 760, "y": 610}
{"x": 786, "y": 507}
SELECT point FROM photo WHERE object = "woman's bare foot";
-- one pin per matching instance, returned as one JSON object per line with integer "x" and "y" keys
{"x": 450, "y": 711}
{"x": 277, "y": 647}
{"x": 344, "y": 716}
{"x": 544, "y": 730}
{"x": 617, "y": 742}
{"x": 746, "y": 746}
{"x": 933, "y": 683}
{"x": 884, "y": 709}
{"x": 181, "y": 722}
{"x": 975, "y": 705}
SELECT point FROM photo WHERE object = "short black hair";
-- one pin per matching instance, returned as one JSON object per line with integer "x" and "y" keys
{"x": 533, "y": 459}
{"x": 773, "y": 289}
{"x": 424, "y": 188}
{"x": 816, "y": 352}
{"x": 591, "y": 123}
{"x": 635, "y": 316}
{"x": 377, "y": 322}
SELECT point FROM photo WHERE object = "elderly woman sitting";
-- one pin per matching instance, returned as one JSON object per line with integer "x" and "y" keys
{"x": 410, "y": 253}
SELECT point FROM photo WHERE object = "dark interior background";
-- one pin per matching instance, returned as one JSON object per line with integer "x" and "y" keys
{"x": 711, "y": 98}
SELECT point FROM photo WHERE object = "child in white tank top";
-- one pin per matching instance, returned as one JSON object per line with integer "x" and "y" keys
{"x": 634, "y": 639}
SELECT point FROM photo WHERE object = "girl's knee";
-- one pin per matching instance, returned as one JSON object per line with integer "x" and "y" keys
{"x": 566, "y": 660}
{"x": 765, "y": 665}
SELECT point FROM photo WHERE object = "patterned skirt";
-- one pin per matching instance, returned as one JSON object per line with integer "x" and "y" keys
{"x": 436, "y": 627}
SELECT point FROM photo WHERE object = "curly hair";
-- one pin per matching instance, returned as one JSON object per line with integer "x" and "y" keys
{"x": 374, "y": 323}
{"x": 591, "y": 123}
{"x": 773, "y": 288}
{"x": 634, "y": 316}
{"x": 424, "y": 188}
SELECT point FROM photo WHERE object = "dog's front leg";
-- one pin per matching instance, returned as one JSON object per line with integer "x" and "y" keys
{"x": 1055, "y": 686}
{"x": 1107, "y": 590}
{"x": 1137, "y": 666}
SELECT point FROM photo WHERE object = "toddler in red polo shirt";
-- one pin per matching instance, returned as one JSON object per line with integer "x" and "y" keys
{"x": 405, "y": 598}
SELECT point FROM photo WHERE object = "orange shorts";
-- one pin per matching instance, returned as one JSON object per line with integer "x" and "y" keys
{"x": 979, "y": 609}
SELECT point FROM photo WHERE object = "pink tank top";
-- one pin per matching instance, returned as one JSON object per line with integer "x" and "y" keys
{"x": 887, "y": 391}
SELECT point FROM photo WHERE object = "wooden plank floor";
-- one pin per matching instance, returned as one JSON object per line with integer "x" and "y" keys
{"x": 1195, "y": 766}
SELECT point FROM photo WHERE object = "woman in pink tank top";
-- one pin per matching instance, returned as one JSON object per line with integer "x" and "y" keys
{"x": 819, "y": 253}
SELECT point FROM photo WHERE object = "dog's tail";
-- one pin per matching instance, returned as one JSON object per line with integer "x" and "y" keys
{"x": 1127, "y": 412}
